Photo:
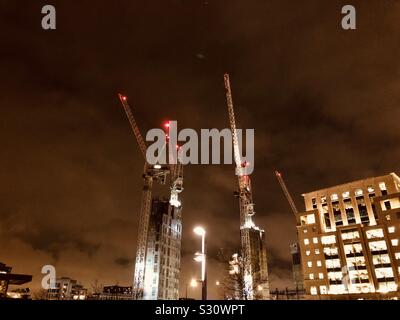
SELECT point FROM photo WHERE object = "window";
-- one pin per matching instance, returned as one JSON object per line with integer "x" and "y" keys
{"x": 380, "y": 259}
{"x": 387, "y": 205}
{"x": 309, "y": 264}
{"x": 378, "y": 246}
{"x": 319, "y": 263}
{"x": 350, "y": 235}
{"x": 327, "y": 221}
{"x": 321, "y": 275}
{"x": 315, "y": 240}
{"x": 323, "y": 290}
{"x": 371, "y": 189}
{"x": 375, "y": 233}
{"x": 328, "y": 239}
{"x": 346, "y": 195}
{"x": 323, "y": 199}
{"x": 313, "y": 291}
{"x": 397, "y": 255}
{"x": 391, "y": 229}
{"x": 317, "y": 251}
{"x": 382, "y": 186}
{"x": 306, "y": 241}
{"x": 308, "y": 252}
{"x": 395, "y": 242}
{"x": 311, "y": 276}
{"x": 358, "y": 193}
{"x": 314, "y": 203}
{"x": 305, "y": 230}
{"x": 334, "y": 197}
{"x": 332, "y": 263}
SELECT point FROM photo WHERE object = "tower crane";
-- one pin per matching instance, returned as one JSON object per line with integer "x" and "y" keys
{"x": 246, "y": 204}
{"x": 150, "y": 174}
{"x": 286, "y": 192}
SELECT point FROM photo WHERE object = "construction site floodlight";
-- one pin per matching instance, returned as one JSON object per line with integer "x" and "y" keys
{"x": 200, "y": 231}
{"x": 193, "y": 283}
{"x": 198, "y": 257}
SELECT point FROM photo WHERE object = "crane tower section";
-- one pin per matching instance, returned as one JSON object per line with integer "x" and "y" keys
{"x": 254, "y": 255}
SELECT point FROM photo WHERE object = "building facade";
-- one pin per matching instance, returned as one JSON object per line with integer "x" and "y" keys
{"x": 349, "y": 239}
{"x": 7, "y": 278}
{"x": 297, "y": 269}
{"x": 161, "y": 281}
{"x": 67, "y": 289}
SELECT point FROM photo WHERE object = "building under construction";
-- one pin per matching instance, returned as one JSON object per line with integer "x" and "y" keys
{"x": 157, "y": 264}
{"x": 161, "y": 281}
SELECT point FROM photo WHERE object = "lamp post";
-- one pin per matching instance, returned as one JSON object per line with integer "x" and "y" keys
{"x": 201, "y": 257}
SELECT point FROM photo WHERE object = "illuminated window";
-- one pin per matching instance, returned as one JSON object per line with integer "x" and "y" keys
{"x": 380, "y": 259}
{"x": 371, "y": 189}
{"x": 397, "y": 254}
{"x": 308, "y": 219}
{"x": 323, "y": 199}
{"x": 332, "y": 263}
{"x": 315, "y": 240}
{"x": 377, "y": 245}
{"x": 384, "y": 273}
{"x": 375, "y": 233}
{"x": 331, "y": 251}
{"x": 358, "y": 192}
{"x": 350, "y": 235}
{"x": 395, "y": 242}
{"x": 334, "y": 197}
{"x": 323, "y": 290}
{"x": 313, "y": 291}
{"x": 305, "y": 230}
{"x": 391, "y": 229}
{"x": 328, "y": 239}
{"x": 346, "y": 195}
{"x": 319, "y": 263}
{"x": 317, "y": 251}
{"x": 382, "y": 186}
{"x": 311, "y": 276}
{"x": 309, "y": 264}
{"x": 308, "y": 252}
{"x": 321, "y": 275}
{"x": 306, "y": 241}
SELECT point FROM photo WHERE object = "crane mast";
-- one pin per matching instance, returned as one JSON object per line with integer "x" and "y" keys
{"x": 245, "y": 196}
{"x": 286, "y": 192}
{"x": 150, "y": 173}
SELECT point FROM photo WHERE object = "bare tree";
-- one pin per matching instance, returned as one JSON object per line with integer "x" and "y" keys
{"x": 232, "y": 284}
{"x": 41, "y": 294}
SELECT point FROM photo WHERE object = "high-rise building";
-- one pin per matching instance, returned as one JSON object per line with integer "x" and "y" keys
{"x": 297, "y": 270}
{"x": 259, "y": 267}
{"x": 349, "y": 239}
{"x": 161, "y": 281}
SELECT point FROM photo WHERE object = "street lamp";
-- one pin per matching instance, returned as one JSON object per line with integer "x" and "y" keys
{"x": 201, "y": 257}
{"x": 193, "y": 284}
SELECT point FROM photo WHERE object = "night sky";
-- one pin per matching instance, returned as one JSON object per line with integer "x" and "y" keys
{"x": 323, "y": 103}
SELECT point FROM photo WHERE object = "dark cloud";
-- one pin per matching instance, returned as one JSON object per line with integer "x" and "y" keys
{"x": 123, "y": 262}
{"x": 323, "y": 103}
